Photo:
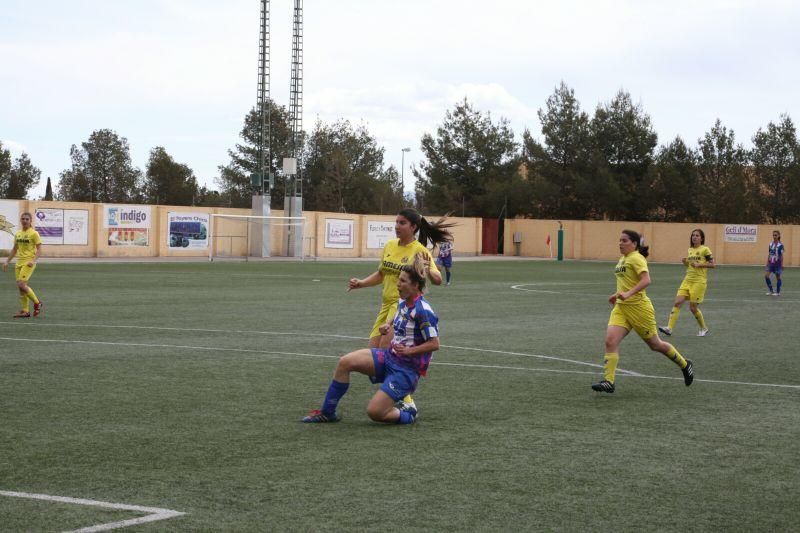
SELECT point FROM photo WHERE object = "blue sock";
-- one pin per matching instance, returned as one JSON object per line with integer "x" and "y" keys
{"x": 335, "y": 392}
{"x": 448, "y": 276}
{"x": 405, "y": 418}
{"x": 780, "y": 282}
{"x": 769, "y": 284}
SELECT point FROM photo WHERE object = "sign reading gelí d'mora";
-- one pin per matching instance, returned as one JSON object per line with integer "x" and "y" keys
{"x": 740, "y": 233}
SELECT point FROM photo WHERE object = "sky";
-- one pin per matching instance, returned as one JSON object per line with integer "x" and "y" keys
{"x": 182, "y": 73}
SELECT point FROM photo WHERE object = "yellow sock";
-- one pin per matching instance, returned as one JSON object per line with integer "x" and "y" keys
{"x": 32, "y": 296}
{"x": 610, "y": 366}
{"x": 673, "y": 317}
{"x": 408, "y": 399}
{"x": 700, "y": 319}
{"x": 23, "y": 300}
{"x": 676, "y": 356}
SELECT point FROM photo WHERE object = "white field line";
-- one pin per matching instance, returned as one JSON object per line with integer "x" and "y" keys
{"x": 462, "y": 365}
{"x": 328, "y": 335}
{"x": 153, "y": 513}
{"x": 192, "y": 330}
{"x": 522, "y": 287}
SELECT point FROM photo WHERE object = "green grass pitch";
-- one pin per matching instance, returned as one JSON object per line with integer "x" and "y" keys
{"x": 181, "y": 386}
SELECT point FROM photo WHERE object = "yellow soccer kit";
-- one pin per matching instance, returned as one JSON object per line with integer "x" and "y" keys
{"x": 636, "y": 312}
{"x": 694, "y": 283}
{"x": 26, "y": 242}
{"x": 395, "y": 256}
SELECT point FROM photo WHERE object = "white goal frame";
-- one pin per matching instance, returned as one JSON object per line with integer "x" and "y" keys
{"x": 280, "y": 221}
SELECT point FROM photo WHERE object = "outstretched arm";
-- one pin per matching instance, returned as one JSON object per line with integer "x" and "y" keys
{"x": 376, "y": 278}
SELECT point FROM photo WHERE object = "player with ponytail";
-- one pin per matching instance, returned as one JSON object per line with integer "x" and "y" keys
{"x": 398, "y": 367}
{"x": 634, "y": 310}
{"x": 414, "y": 232}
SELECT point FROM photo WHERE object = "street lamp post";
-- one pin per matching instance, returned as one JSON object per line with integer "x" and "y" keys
{"x": 403, "y": 168}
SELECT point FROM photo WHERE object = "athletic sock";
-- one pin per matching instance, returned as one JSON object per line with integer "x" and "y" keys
{"x": 780, "y": 282}
{"x": 673, "y": 354}
{"x": 610, "y": 366}
{"x": 673, "y": 317}
{"x": 769, "y": 284}
{"x": 700, "y": 319}
{"x": 32, "y": 296}
{"x": 405, "y": 418}
{"x": 23, "y": 300}
{"x": 447, "y": 275}
{"x": 335, "y": 392}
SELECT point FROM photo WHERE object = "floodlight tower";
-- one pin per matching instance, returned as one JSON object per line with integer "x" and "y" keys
{"x": 260, "y": 244}
{"x": 293, "y": 203}
{"x": 264, "y": 107}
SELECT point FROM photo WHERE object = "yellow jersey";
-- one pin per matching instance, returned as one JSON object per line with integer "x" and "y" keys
{"x": 393, "y": 259}
{"x": 26, "y": 241}
{"x": 628, "y": 269}
{"x": 701, "y": 254}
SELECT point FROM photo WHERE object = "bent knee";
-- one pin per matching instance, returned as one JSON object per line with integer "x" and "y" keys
{"x": 656, "y": 344}
{"x": 378, "y": 414}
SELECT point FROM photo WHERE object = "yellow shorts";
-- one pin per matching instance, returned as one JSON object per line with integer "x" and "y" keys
{"x": 640, "y": 317}
{"x": 694, "y": 292}
{"x": 386, "y": 314}
{"x": 23, "y": 272}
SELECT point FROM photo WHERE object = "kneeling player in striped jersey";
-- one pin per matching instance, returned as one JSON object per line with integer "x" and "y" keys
{"x": 398, "y": 368}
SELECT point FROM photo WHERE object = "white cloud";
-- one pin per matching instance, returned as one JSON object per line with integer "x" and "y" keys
{"x": 182, "y": 73}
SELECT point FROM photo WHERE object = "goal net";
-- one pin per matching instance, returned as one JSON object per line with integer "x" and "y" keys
{"x": 251, "y": 236}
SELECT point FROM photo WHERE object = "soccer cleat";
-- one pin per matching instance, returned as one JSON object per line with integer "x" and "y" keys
{"x": 603, "y": 386}
{"x": 37, "y": 309}
{"x": 776, "y": 294}
{"x": 22, "y": 314}
{"x": 317, "y": 417}
{"x": 447, "y": 284}
{"x": 665, "y": 330}
{"x": 688, "y": 372}
{"x": 409, "y": 407}
{"x": 703, "y": 332}
{"x": 770, "y": 293}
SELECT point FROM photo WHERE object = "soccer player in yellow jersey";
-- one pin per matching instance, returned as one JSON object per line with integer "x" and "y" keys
{"x": 634, "y": 310}
{"x": 27, "y": 247}
{"x": 398, "y": 253}
{"x": 698, "y": 259}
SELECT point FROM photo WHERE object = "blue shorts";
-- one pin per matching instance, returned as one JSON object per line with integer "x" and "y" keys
{"x": 774, "y": 268}
{"x": 446, "y": 262}
{"x": 396, "y": 381}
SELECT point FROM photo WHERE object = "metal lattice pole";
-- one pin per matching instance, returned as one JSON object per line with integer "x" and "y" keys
{"x": 296, "y": 95}
{"x": 264, "y": 107}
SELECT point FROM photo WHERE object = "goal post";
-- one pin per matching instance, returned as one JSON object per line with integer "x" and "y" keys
{"x": 240, "y": 236}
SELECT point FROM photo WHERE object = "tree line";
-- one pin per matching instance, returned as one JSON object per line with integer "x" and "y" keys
{"x": 608, "y": 165}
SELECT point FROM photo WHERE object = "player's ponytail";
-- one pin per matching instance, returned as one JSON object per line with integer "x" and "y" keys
{"x": 417, "y": 270}
{"x": 433, "y": 232}
{"x": 635, "y": 237}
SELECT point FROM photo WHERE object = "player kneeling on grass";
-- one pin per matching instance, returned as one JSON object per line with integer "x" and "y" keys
{"x": 633, "y": 310}
{"x": 399, "y": 367}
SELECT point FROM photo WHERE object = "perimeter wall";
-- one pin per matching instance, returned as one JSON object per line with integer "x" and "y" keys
{"x": 332, "y": 235}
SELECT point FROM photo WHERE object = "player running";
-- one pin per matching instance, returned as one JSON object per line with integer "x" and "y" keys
{"x": 634, "y": 310}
